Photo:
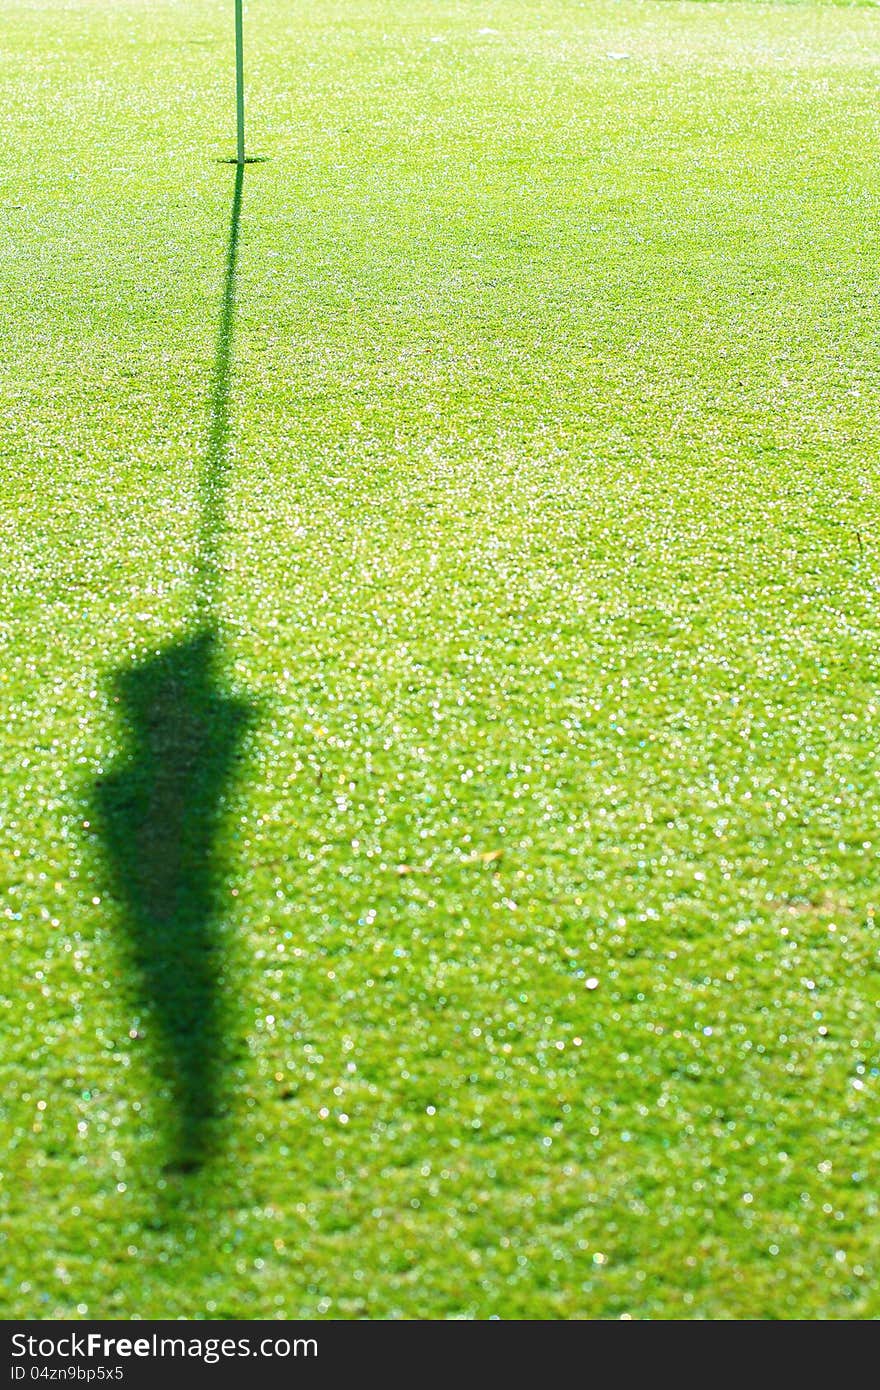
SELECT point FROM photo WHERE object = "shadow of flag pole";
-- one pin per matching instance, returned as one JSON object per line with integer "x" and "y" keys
{"x": 161, "y": 806}
{"x": 239, "y": 83}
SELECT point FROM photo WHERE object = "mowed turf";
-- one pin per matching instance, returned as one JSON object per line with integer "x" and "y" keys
{"x": 438, "y": 660}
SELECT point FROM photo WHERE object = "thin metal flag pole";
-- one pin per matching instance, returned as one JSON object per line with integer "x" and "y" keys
{"x": 239, "y": 82}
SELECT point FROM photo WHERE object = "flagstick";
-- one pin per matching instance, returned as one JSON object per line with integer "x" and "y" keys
{"x": 239, "y": 82}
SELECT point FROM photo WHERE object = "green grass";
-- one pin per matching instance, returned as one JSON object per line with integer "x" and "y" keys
{"x": 546, "y": 575}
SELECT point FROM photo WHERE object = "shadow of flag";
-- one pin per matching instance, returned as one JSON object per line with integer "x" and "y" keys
{"x": 159, "y": 816}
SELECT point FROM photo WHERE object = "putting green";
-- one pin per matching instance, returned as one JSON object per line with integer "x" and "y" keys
{"x": 438, "y": 683}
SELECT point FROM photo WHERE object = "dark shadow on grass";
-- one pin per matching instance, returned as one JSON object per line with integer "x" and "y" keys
{"x": 159, "y": 811}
